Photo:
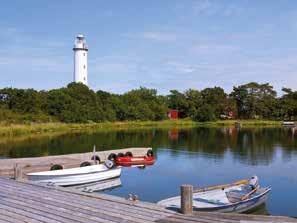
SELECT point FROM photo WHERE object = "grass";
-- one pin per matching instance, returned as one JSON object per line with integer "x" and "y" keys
{"x": 40, "y": 128}
{"x": 243, "y": 123}
{"x": 7, "y": 130}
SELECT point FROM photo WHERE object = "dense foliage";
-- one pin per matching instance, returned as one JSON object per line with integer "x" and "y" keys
{"x": 78, "y": 103}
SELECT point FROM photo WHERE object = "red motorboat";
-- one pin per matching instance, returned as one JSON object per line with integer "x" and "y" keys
{"x": 128, "y": 159}
{"x": 135, "y": 160}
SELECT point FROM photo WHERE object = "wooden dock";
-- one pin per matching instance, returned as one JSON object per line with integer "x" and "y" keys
{"x": 44, "y": 163}
{"x": 28, "y": 202}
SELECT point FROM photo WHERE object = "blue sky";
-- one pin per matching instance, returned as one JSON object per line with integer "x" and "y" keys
{"x": 168, "y": 44}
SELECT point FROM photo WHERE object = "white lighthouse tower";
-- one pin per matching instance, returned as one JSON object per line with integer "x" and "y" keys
{"x": 80, "y": 60}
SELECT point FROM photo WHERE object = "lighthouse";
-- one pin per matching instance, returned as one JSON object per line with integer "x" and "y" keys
{"x": 80, "y": 60}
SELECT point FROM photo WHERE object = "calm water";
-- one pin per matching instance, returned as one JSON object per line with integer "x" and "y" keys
{"x": 199, "y": 156}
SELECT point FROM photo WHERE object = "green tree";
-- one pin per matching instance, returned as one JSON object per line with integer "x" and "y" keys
{"x": 255, "y": 100}
{"x": 194, "y": 102}
{"x": 288, "y": 104}
{"x": 143, "y": 104}
{"x": 216, "y": 99}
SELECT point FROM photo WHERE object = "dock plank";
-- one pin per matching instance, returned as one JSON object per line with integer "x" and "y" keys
{"x": 61, "y": 214}
{"x": 78, "y": 205}
{"x": 5, "y": 217}
{"x": 74, "y": 213}
{"x": 107, "y": 197}
{"x": 129, "y": 208}
{"x": 11, "y": 217}
{"x": 201, "y": 219}
{"x": 247, "y": 217}
{"x": 18, "y": 213}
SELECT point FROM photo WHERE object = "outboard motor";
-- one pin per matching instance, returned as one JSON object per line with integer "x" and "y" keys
{"x": 109, "y": 164}
{"x": 254, "y": 182}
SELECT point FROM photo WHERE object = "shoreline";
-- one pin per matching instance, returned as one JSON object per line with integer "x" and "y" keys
{"x": 21, "y": 130}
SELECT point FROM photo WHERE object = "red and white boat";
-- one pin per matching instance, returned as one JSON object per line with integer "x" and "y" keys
{"x": 135, "y": 160}
{"x": 129, "y": 160}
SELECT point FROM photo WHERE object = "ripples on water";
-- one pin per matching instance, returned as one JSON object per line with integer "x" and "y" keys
{"x": 199, "y": 156}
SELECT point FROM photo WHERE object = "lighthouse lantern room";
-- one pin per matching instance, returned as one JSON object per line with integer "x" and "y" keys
{"x": 80, "y": 60}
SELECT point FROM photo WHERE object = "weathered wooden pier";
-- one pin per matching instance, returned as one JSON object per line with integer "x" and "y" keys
{"x": 34, "y": 164}
{"x": 28, "y": 202}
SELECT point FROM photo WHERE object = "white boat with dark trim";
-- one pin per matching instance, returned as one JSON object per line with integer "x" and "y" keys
{"x": 238, "y": 197}
{"x": 76, "y": 176}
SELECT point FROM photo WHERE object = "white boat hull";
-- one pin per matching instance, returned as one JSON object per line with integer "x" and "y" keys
{"x": 75, "y": 176}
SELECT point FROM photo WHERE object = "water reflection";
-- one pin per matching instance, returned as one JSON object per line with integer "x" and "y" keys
{"x": 99, "y": 186}
{"x": 251, "y": 146}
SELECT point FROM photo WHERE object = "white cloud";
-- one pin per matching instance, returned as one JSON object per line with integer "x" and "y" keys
{"x": 205, "y": 7}
{"x": 154, "y": 36}
{"x": 114, "y": 65}
{"x": 177, "y": 67}
{"x": 159, "y": 36}
{"x": 208, "y": 8}
{"x": 213, "y": 49}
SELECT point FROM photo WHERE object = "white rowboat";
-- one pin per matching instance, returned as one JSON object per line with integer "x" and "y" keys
{"x": 238, "y": 197}
{"x": 75, "y": 176}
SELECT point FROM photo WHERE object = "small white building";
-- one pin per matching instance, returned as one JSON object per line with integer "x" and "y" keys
{"x": 80, "y": 60}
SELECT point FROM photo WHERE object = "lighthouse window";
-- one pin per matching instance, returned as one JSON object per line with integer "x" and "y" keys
{"x": 84, "y": 54}
{"x": 84, "y": 66}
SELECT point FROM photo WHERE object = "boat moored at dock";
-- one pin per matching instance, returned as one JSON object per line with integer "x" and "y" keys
{"x": 129, "y": 159}
{"x": 135, "y": 160}
{"x": 237, "y": 197}
{"x": 76, "y": 176}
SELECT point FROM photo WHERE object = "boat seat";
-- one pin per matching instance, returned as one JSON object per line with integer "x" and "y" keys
{"x": 235, "y": 195}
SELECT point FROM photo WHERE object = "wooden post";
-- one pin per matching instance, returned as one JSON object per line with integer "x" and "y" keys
{"x": 18, "y": 173}
{"x": 186, "y": 199}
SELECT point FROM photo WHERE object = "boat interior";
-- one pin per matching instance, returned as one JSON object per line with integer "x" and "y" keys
{"x": 224, "y": 196}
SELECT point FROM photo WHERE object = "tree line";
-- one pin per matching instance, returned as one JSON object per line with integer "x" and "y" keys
{"x": 78, "y": 103}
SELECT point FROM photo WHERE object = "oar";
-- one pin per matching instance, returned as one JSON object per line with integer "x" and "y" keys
{"x": 249, "y": 194}
{"x": 239, "y": 182}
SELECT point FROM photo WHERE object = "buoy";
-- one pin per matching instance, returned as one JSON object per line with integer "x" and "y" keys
{"x": 109, "y": 164}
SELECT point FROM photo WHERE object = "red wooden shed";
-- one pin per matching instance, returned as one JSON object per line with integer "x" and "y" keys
{"x": 173, "y": 114}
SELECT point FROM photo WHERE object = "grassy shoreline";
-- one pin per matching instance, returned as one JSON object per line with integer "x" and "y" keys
{"x": 46, "y": 128}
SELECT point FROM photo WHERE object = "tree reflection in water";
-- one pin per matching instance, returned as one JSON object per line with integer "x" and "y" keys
{"x": 251, "y": 146}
